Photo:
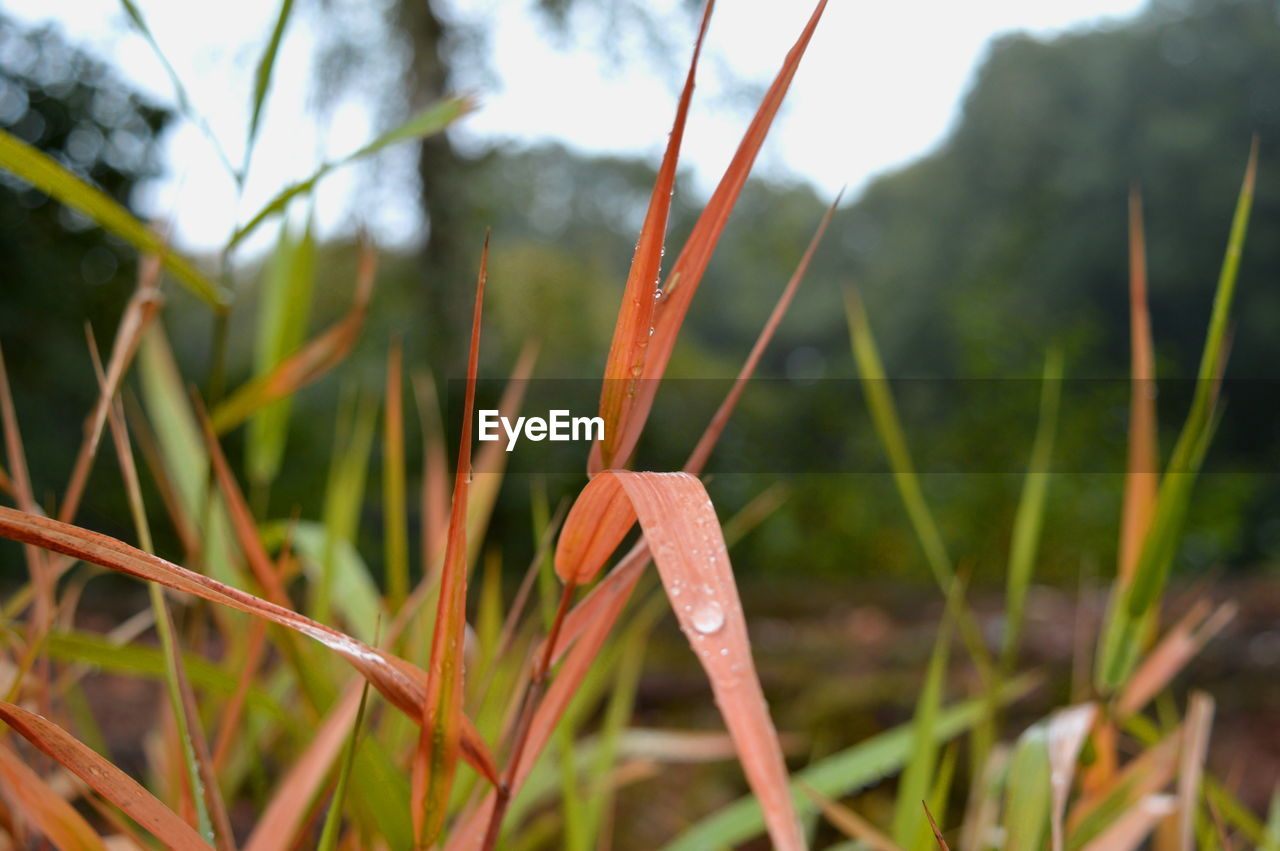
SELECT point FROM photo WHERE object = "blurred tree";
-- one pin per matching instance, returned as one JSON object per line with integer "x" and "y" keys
{"x": 61, "y": 271}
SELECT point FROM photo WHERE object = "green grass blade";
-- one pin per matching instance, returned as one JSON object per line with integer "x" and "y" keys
{"x": 1271, "y": 839}
{"x": 344, "y": 495}
{"x": 884, "y": 415}
{"x": 1029, "y": 521}
{"x": 282, "y": 325}
{"x": 50, "y": 177}
{"x": 179, "y": 90}
{"x": 262, "y": 79}
{"x": 1125, "y": 629}
{"x": 355, "y": 594}
{"x": 1026, "y": 817}
{"x": 910, "y": 829}
{"x": 838, "y": 775}
{"x": 333, "y": 818}
{"x": 430, "y": 121}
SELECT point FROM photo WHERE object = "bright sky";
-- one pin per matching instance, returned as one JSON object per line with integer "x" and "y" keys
{"x": 880, "y": 85}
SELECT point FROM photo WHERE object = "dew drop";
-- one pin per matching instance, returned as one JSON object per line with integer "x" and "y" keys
{"x": 637, "y": 371}
{"x": 708, "y": 619}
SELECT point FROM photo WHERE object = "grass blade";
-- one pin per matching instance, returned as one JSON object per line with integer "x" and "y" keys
{"x": 1066, "y": 732}
{"x": 1128, "y": 830}
{"x": 395, "y": 530}
{"x": 1027, "y": 524}
{"x": 180, "y": 91}
{"x": 109, "y": 781}
{"x": 1141, "y": 477}
{"x": 684, "y": 536}
{"x": 848, "y": 822}
{"x": 262, "y": 79}
{"x": 435, "y": 759}
{"x": 282, "y": 324}
{"x": 51, "y": 178}
{"x": 52, "y": 815}
{"x": 838, "y": 775}
{"x": 1028, "y": 801}
{"x": 909, "y": 830}
{"x": 308, "y": 363}
{"x": 686, "y": 273}
{"x": 401, "y": 682}
{"x": 1191, "y": 765}
{"x": 434, "y": 119}
{"x": 333, "y": 819}
{"x": 625, "y": 364}
{"x": 1132, "y": 604}
{"x": 1175, "y": 650}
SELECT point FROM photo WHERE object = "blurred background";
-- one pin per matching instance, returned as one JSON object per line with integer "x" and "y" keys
{"x": 988, "y": 149}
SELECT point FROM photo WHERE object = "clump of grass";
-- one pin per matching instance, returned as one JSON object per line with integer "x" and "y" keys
{"x": 463, "y": 758}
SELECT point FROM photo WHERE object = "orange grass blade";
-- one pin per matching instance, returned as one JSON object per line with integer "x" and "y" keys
{"x": 1175, "y": 650}
{"x": 631, "y": 333}
{"x": 1130, "y": 828}
{"x": 242, "y": 523}
{"x": 686, "y": 273}
{"x": 436, "y": 759}
{"x": 684, "y": 535}
{"x": 1191, "y": 765}
{"x": 491, "y": 460}
{"x": 849, "y": 822}
{"x": 1145, "y": 775}
{"x": 138, "y": 314}
{"x": 109, "y": 781}
{"x": 52, "y": 815}
{"x": 308, "y": 363}
{"x": 435, "y": 472}
{"x": 1142, "y": 474}
{"x": 400, "y": 682}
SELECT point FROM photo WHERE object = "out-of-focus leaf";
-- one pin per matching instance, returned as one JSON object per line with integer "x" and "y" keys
{"x": 262, "y": 78}
{"x": 838, "y": 775}
{"x": 910, "y": 829}
{"x": 321, "y": 354}
{"x": 430, "y": 121}
{"x": 1271, "y": 839}
{"x": 28, "y": 794}
{"x": 1141, "y": 473}
{"x": 344, "y": 497}
{"x": 50, "y": 177}
{"x": 1195, "y": 747}
{"x": 355, "y": 593}
{"x": 1175, "y": 650}
{"x": 138, "y": 313}
{"x": 1133, "y": 603}
{"x": 1065, "y": 732}
{"x": 180, "y": 91}
{"x": 395, "y": 524}
{"x": 850, "y": 823}
{"x": 1132, "y": 826}
{"x": 1028, "y": 798}
{"x": 282, "y": 323}
{"x": 1025, "y": 543}
{"x": 109, "y": 781}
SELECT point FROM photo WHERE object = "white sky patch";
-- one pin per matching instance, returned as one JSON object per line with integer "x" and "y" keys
{"x": 879, "y": 86}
